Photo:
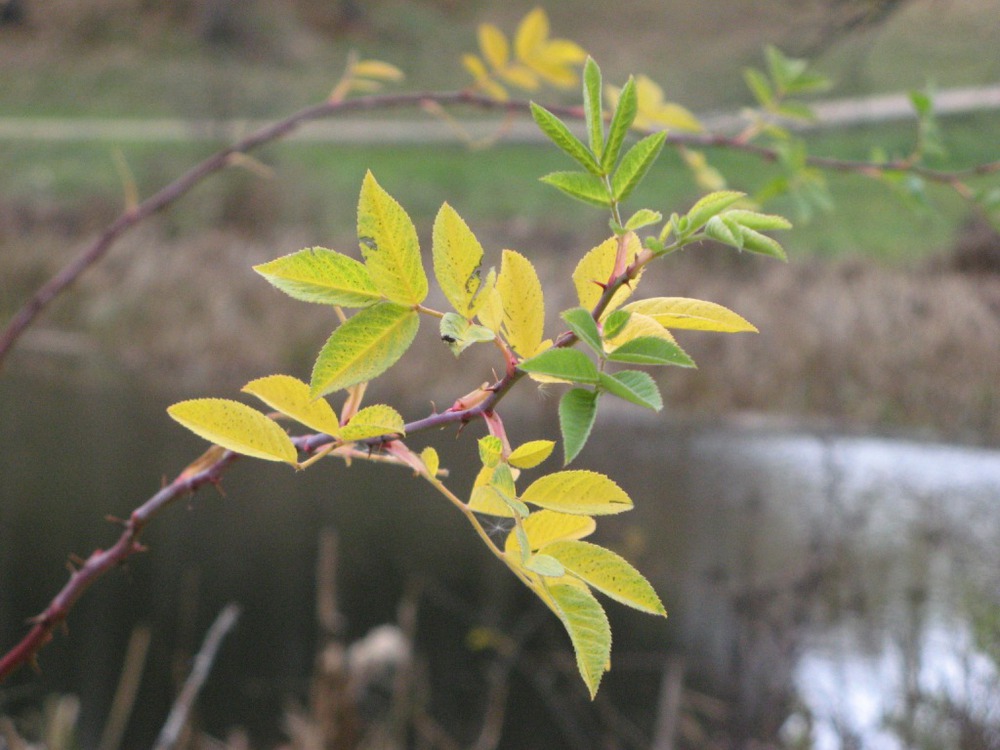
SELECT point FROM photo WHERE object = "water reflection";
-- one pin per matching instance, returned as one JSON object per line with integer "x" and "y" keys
{"x": 837, "y": 591}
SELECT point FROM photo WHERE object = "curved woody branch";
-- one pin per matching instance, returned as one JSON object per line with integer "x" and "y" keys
{"x": 95, "y": 251}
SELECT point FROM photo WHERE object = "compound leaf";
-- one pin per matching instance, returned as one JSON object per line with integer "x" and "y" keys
{"x": 292, "y": 398}
{"x": 578, "y": 491}
{"x": 577, "y": 412}
{"x": 236, "y": 427}
{"x": 607, "y": 572}
{"x": 588, "y": 629}
{"x": 324, "y": 276}
{"x": 364, "y": 347}
{"x": 389, "y": 245}
{"x": 373, "y": 421}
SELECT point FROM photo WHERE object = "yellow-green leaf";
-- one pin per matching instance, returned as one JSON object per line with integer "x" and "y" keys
{"x": 291, "y": 397}
{"x": 389, "y": 244}
{"x": 523, "y": 303}
{"x": 531, "y": 453}
{"x": 373, "y": 421}
{"x": 321, "y": 275}
{"x": 236, "y": 427}
{"x": 607, "y": 572}
{"x": 588, "y": 629}
{"x": 578, "y": 491}
{"x": 546, "y": 526}
{"x": 364, "y": 347}
{"x": 695, "y": 314}
{"x": 594, "y": 271}
{"x": 458, "y": 260}
{"x": 378, "y": 70}
{"x": 430, "y": 458}
{"x": 486, "y": 500}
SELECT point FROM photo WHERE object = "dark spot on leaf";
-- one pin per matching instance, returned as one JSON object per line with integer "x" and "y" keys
{"x": 368, "y": 242}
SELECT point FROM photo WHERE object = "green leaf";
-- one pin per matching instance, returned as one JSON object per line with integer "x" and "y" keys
{"x": 373, "y": 421}
{"x": 651, "y": 350}
{"x": 580, "y": 185}
{"x": 364, "y": 347}
{"x": 759, "y": 86}
{"x": 593, "y": 113}
{"x": 291, "y": 397}
{"x": 389, "y": 245}
{"x": 561, "y": 135}
{"x": 635, "y": 386}
{"x": 577, "y": 412}
{"x": 566, "y": 364}
{"x": 709, "y": 206}
{"x": 643, "y": 218}
{"x": 608, "y": 573}
{"x": 578, "y": 491}
{"x": 531, "y": 454}
{"x": 796, "y": 111}
{"x": 756, "y": 242}
{"x": 460, "y": 334}
{"x": 235, "y": 427}
{"x": 588, "y": 628}
{"x": 719, "y": 230}
{"x": 615, "y": 323}
{"x": 544, "y": 565}
{"x": 757, "y": 221}
{"x": 621, "y": 121}
{"x": 323, "y": 276}
{"x": 458, "y": 259}
{"x": 635, "y": 164}
{"x": 583, "y": 325}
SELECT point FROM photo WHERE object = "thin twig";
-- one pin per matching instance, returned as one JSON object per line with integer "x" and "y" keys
{"x": 96, "y": 250}
{"x": 179, "y": 712}
{"x": 128, "y": 689}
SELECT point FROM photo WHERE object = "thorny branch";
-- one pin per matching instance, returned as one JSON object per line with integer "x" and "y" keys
{"x": 98, "y": 248}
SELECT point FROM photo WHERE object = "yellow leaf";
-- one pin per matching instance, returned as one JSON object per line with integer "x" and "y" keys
{"x": 291, "y": 397}
{"x": 378, "y": 70}
{"x": 551, "y": 59}
{"x": 236, "y": 427}
{"x": 389, "y": 245}
{"x": 491, "y": 313}
{"x": 579, "y": 492}
{"x": 531, "y": 454}
{"x": 484, "y": 499}
{"x": 373, "y": 421}
{"x": 520, "y": 76}
{"x": 430, "y": 458}
{"x": 482, "y": 79}
{"x": 693, "y": 314}
{"x": 638, "y": 325}
{"x": 594, "y": 271}
{"x": 494, "y": 46}
{"x": 458, "y": 260}
{"x": 652, "y": 112}
{"x": 547, "y": 526}
{"x": 523, "y": 303}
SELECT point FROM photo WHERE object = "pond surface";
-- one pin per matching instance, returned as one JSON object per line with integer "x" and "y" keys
{"x": 836, "y": 591}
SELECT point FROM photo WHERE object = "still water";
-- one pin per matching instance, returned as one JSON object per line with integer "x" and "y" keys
{"x": 824, "y": 590}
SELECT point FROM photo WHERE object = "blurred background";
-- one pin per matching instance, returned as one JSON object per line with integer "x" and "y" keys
{"x": 816, "y": 505}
